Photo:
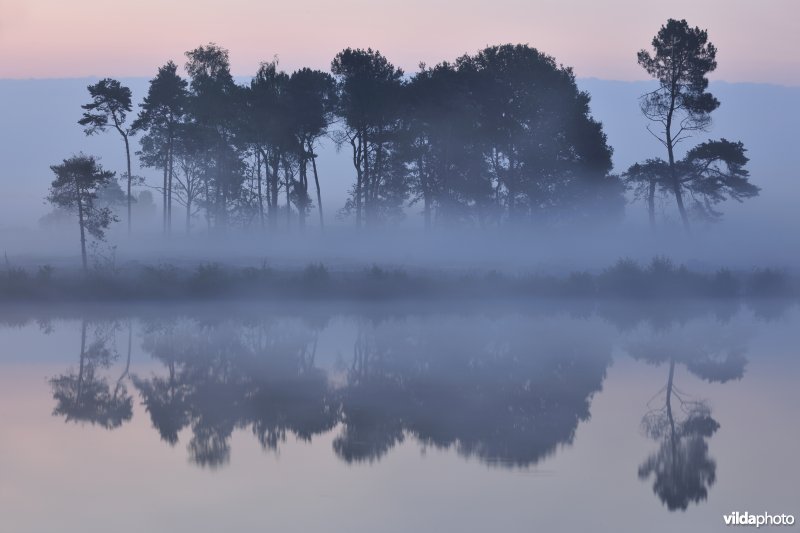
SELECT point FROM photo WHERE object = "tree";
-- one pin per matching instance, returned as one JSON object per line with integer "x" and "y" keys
{"x": 161, "y": 112}
{"x": 215, "y": 107}
{"x": 191, "y": 156}
{"x": 78, "y": 182}
{"x": 267, "y": 122}
{"x": 111, "y": 102}
{"x": 547, "y": 157}
{"x": 681, "y": 59}
{"x": 369, "y": 89}
{"x": 645, "y": 179}
{"x": 444, "y": 152}
{"x": 312, "y": 97}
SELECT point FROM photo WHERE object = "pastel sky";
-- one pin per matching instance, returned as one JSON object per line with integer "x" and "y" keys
{"x": 758, "y": 41}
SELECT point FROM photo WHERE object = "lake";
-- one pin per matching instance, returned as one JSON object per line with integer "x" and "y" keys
{"x": 567, "y": 416}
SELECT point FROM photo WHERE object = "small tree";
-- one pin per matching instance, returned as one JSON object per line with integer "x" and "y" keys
{"x": 111, "y": 102}
{"x": 681, "y": 59}
{"x": 78, "y": 181}
{"x": 645, "y": 179}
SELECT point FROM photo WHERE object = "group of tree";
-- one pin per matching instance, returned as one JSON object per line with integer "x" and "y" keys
{"x": 501, "y": 135}
{"x": 504, "y": 135}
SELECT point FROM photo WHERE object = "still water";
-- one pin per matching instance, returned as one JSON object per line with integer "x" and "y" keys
{"x": 369, "y": 419}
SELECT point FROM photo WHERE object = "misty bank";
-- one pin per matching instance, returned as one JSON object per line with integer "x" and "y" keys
{"x": 626, "y": 279}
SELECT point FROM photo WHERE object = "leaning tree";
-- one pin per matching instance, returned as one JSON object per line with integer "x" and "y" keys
{"x": 109, "y": 107}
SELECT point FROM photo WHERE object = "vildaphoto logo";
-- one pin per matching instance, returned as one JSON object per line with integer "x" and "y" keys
{"x": 765, "y": 519}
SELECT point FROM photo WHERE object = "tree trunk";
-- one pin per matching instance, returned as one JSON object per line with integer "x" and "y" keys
{"x": 651, "y": 199}
{"x": 207, "y": 210}
{"x": 288, "y": 199}
{"x": 316, "y": 182}
{"x": 302, "y": 197}
{"x": 82, "y": 224}
{"x": 675, "y": 179}
{"x": 164, "y": 202}
{"x": 169, "y": 186}
{"x": 357, "y": 151}
{"x": 128, "y": 156}
{"x": 272, "y": 195}
{"x": 366, "y": 186}
{"x": 260, "y": 192}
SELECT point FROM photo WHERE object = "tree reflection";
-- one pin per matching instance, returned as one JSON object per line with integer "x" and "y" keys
{"x": 85, "y": 395}
{"x": 508, "y": 391}
{"x": 508, "y": 394}
{"x": 681, "y": 468}
{"x": 223, "y": 376}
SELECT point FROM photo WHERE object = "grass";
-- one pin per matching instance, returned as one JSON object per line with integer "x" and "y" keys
{"x": 626, "y": 279}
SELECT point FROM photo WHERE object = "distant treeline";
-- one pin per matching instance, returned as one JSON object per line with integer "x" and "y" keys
{"x": 660, "y": 280}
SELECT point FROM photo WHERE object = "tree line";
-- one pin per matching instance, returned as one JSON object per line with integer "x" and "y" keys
{"x": 504, "y": 135}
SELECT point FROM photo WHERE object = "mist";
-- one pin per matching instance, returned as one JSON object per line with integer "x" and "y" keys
{"x": 39, "y": 129}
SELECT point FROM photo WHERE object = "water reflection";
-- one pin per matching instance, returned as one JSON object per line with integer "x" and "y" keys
{"x": 508, "y": 390}
{"x": 86, "y": 395}
{"x": 224, "y": 376}
{"x": 681, "y": 468}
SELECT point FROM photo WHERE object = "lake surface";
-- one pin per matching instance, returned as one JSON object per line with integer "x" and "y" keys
{"x": 572, "y": 417}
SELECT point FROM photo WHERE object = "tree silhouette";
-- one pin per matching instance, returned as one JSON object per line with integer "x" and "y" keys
{"x": 546, "y": 155}
{"x": 214, "y": 105}
{"x": 76, "y": 188}
{"x": 109, "y": 107}
{"x": 646, "y": 179}
{"x": 161, "y": 113}
{"x": 312, "y": 96}
{"x": 267, "y": 128}
{"x": 681, "y": 59}
{"x": 191, "y": 156}
{"x": 444, "y": 153}
{"x": 369, "y": 96}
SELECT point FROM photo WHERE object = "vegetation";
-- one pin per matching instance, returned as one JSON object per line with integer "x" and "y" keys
{"x": 78, "y": 182}
{"x": 712, "y": 171}
{"x": 626, "y": 280}
{"x": 500, "y": 136}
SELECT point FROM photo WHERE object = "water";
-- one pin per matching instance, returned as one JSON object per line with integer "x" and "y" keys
{"x": 564, "y": 417}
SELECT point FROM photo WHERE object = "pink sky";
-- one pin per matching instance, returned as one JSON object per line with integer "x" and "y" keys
{"x": 758, "y": 41}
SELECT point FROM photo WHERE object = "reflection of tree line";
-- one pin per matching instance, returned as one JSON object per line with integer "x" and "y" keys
{"x": 507, "y": 391}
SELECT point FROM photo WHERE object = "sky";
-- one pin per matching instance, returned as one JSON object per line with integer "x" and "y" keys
{"x": 757, "y": 40}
